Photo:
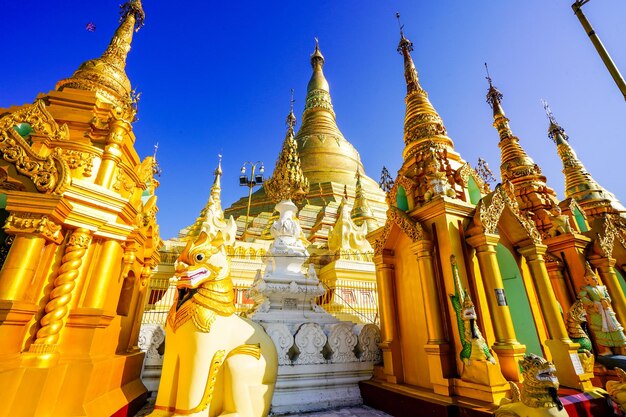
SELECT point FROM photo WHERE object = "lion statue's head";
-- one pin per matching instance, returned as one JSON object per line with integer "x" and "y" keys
{"x": 540, "y": 382}
{"x": 204, "y": 258}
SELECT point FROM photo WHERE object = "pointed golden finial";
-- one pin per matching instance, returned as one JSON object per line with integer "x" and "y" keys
{"x": 317, "y": 81}
{"x": 106, "y": 75}
{"x": 213, "y": 207}
{"x": 494, "y": 96}
{"x": 555, "y": 132}
{"x": 287, "y": 181}
{"x": 291, "y": 118}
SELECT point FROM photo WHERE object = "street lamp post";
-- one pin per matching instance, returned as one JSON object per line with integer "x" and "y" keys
{"x": 250, "y": 181}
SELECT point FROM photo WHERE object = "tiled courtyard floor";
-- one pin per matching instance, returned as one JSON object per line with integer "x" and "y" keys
{"x": 362, "y": 411}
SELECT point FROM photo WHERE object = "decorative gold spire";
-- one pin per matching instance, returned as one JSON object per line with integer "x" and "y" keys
{"x": 531, "y": 191}
{"x": 515, "y": 162}
{"x": 579, "y": 184}
{"x": 287, "y": 181}
{"x": 213, "y": 207}
{"x": 422, "y": 123}
{"x": 106, "y": 75}
{"x": 361, "y": 211}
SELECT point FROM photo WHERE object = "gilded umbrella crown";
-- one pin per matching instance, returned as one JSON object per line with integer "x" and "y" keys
{"x": 106, "y": 75}
{"x": 287, "y": 181}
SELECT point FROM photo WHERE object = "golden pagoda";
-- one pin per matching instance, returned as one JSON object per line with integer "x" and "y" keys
{"x": 80, "y": 242}
{"x": 329, "y": 162}
{"x": 455, "y": 256}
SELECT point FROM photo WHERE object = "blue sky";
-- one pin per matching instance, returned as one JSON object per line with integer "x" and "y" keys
{"x": 215, "y": 77}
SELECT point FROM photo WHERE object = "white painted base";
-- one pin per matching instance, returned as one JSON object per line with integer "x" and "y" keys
{"x": 303, "y": 388}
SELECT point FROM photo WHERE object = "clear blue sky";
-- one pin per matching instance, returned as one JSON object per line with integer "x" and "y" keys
{"x": 215, "y": 77}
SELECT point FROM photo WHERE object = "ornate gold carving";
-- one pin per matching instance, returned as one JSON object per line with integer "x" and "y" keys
{"x": 76, "y": 159}
{"x": 466, "y": 171}
{"x": 38, "y": 118}
{"x": 411, "y": 228}
{"x": 8, "y": 183}
{"x": 490, "y": 216}
{"x": 288, "y": 181}
{"x": 122, "y": 181}
{"x": 57, "y": 307}
{"x": 33, "y": 223}
{"x": 49, "y": 174}
{"x": 379, "y": 243}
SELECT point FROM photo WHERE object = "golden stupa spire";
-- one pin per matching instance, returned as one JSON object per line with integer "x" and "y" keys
{"x": 515, "y": 164}
{"x": 325, "y": 154}
{"x": 361, "y": 211}
{"x": 579, "y": 184}
{"x": 213, "y": 207}
{"x": 106, "y": 75}
{"x": 287, "y": 181}
{"x": 422, "y": 123}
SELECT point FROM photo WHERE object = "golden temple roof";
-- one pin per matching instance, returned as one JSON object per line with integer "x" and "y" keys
{"x": 287, "y": 181}
{"x": 579, "y": 184}
{"x": 106, "y": 75}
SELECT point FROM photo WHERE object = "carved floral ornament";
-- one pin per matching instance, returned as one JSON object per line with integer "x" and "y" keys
{"x": 466, "y": 171}
{"x": 606, "y": 241}
{"x": 409, "y": 227}
{"x": 487, "y": 217}
{"x": 49, "y": 174}
{"x": 34, "y": 223}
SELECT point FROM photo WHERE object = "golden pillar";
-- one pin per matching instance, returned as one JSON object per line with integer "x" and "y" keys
{"x": 561, "y": 291}
{"x": 390, "y": 345}
{"x": 20, "y": 266}
{"x": 564, "y": 352}
{"x": 57, "y": 308}
{"x": 506, "y": 345}
{"x": 609, "y": 278}
{"x": 440, "y": 364}
{"x": 106, "y": 271}
{"x": 112, "y": 155}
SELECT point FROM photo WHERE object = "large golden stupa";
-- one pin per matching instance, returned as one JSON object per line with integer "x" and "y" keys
{"x": 329, "y": 162}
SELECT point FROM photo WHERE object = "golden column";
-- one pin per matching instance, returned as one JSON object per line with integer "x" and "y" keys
{"x": 564, "y": 351}
{"x": 112, "y": 155}
{"x": 441, "y": 365}
{"x": 104, "y": 273}
{"x": 20, "y": 266}
{"x": 506, "y": 346}
{"x": 385, "y": 277}
{"x": 57, "y": 308}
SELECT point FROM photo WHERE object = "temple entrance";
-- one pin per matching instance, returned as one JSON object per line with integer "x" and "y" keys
{"x": 517, "y": 298}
